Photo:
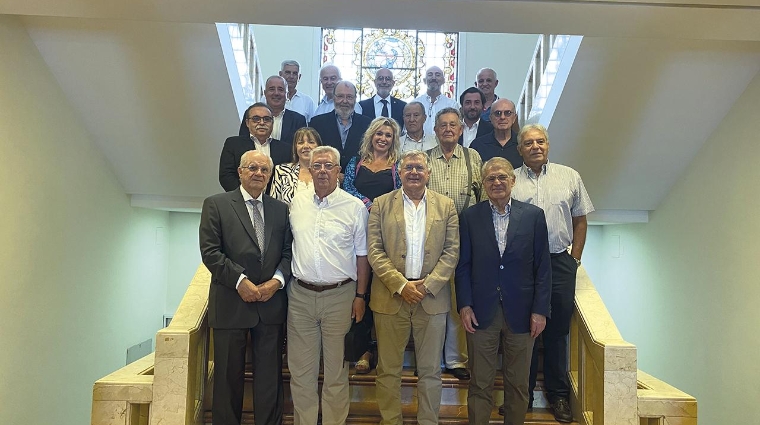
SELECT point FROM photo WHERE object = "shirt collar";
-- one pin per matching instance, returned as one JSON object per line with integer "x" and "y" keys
{"x": 329, "y": 199}
{"x": 325, "y": 100}
{"x": 256, "y": 141}
{"x": 474, "y": 126}
{"x": 378, "y": 99}
{"x": 507, "y": 208}
{"x": 247, "y": 196}
{"x": 529, "y": 172}
{"x": 408, "y": 199}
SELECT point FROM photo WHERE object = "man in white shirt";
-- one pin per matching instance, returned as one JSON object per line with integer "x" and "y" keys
{"x": 433, "y": 99}
{"x": 329, "y": 77}
{"x": 474, "y": 126}
{"x": 413, "y": 246}
{"x": 286, "y": 122}
{"x": 297, "y": 101}
{"x": 414, "y": 121}
{"x": 382, "y": 104}
{"x": 328, "y": 290}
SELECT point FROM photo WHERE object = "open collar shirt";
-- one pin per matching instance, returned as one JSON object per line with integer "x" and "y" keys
{"x": 449, "y": 176}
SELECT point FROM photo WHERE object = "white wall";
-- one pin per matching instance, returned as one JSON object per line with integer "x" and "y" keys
{"x": 184, "y": 256}
{"x": 508, "y": 54}
{"x": 82, "y": 273}
{"x": 685, "y": 287}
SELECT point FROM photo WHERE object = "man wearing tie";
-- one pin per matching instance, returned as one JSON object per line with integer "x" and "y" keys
{"x": 382, "y": 104}
{"x": 245, "y": 242}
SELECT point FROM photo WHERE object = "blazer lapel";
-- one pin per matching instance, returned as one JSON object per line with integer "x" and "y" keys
{"x": 269, "y": 219}
{"x": 486, "y": 218}
{"x": 238, "y": 205}
{"x": 398, "y": 213}
{"x": 515, "y": 214}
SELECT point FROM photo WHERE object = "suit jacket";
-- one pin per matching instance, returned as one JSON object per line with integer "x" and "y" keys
{"x": 522, "y": 277}
{"x": 396, "y": 109}
{"x": 229, "y": 248}
{"x": 291, "y": 122}
{"x": 233, "y": 150}
{"x": 484, "y": 127}
{"x": 327, "y": 127}
{"x": 386, "y": 244}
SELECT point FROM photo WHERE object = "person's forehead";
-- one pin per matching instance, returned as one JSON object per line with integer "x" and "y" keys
{"x": 275, "y": 82}
{"x": 384, "y": 73}
{"x": 322, "y": 156}
{"x": 486, "y": 75}
{"x": 260, "y": 111}
{"x": 502, "y": 105}
{"x": 344, "y": 88}
{"x": 497, "y": 170}
{"x": 449, "y": 116}
{"x": 472, "y": 97}
{"x": 434, "y": 70}
{"x": 413, "y": 108}
{"x": 329, "y": 72}
{"x": 533, "y": 134}
{"x": 290, "y": 68}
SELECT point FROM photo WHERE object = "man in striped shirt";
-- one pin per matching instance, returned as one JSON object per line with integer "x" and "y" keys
{"x": 559, "y": 191}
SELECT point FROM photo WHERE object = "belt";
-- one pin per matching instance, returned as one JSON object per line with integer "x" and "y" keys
{"x": 557, "y": 254}
{"x": 320, "y": 288}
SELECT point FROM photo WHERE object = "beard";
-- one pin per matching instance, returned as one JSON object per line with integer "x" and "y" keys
{"x": 344, "y": 112}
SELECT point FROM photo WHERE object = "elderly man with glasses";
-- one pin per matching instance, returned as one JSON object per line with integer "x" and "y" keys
{"x": 503, "y": 140}
{"x": 382, "y": 104}
{"x": 328, "y": 290}
{"x": 260, "y": 122}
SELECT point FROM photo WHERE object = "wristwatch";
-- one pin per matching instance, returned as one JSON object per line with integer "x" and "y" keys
{"x": 362, "y": 296}
{"x": 577, "y": 262}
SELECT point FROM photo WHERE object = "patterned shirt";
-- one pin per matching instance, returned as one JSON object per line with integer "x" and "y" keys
{"x": 500, "y": 224}
{"x": 559, "y": 191}
{"x": 449, "y": 176}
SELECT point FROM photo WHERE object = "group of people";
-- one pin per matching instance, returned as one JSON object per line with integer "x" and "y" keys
{"x": 456, "y": 230}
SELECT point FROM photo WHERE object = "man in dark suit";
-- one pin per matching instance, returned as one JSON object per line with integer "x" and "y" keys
{"x": 382, "y": 104}
{"x": 259, "y": 121}
{"x": 342, "y": 128}
{"x": 503, "y": 287}
{"x": 286, "y": 122}
{"x": 472, "y": 106}
{"x": 245, "y": 242}
{"x": 503, "y": 140}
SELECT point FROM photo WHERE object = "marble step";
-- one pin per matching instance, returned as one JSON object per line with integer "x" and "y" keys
{"x": 366, "y": 412}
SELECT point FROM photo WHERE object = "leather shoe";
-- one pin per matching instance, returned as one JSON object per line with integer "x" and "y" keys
{"x": 459, "y": 372}
{"x": 530, "y": 407}
{"x": 561, "y": 410}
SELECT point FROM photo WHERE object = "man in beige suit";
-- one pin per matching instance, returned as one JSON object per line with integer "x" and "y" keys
{"x": 413, "y": 248}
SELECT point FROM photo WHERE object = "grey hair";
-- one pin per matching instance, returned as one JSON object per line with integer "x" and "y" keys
{"x": 415, "y": 153}
{"x": 322, "y": 150}
{"x": 345, "y": 83}
{"x": 414, "y": 102}
{"x": 284, "y": 82}
{"x": 290, "y": 62}
{"x": 330, "y": 65}
{"x": 448, "y": 110}
{"x": 499, "y": 163}
{"x": 246, "y": 158}
{"x": 530, "y": 127}
{"x": 495, "y": 77}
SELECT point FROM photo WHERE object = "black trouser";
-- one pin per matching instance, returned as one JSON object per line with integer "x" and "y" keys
{"x": 229, "y": 369}
{"x": 555, "y": 336}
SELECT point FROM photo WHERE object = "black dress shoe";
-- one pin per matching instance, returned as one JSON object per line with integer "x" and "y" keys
{"x": 501, "y": 410}
{"x": 459, "y": 372}
{"x": 530, "y": 407}
{"x": 561, "y": 409}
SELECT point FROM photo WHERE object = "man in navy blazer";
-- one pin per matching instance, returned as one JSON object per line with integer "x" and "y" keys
{"x": 286, "y": 122}
{"x": 382, "y": 104}
{"x": 245, "y": 242}
{"x": 332, "y": 124}
{"x": 503, "y": 287}
{"x": 259, "y": 122}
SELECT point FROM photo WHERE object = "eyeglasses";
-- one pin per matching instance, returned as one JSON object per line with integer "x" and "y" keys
{"x": 500, "y": 177}
{"x": 328, "y": 166}
{"x": 505, "y": 113}
{"x": 255, "y": 169}
{"x": 418, "y": 168}
{"x": 257, "y": 119}
{"x": 388, "y": 79}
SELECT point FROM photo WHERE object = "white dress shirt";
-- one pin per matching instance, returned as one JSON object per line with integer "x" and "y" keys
{"x": 246, "y": 198}
{"x": 327, "y": 236}
{"x": 414, "y": 219}
{"x": 301, "y": 103}
{"x": 379, "y": 105}
{"x": 432, "y": 108}
{"x": 277, "y": 125}
{"x": 469, "y": 133}
{"x": 263, "y": 147}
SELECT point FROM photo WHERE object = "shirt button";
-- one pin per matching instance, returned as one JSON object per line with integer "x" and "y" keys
{"x": 501, "y": 267}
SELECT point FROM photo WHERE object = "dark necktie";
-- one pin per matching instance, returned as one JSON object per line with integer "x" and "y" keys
{"x": 258, "y": 225}
{"x": 385, "y": 108}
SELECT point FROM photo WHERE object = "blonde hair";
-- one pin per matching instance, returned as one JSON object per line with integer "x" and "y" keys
{"x": 366, "y": 153}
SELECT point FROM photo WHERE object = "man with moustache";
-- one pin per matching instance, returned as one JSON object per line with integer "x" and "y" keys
{"x": 560, "y": 192}
{"x": 503, "y": 284}
{"x": 329, "y": 288}
{"x": 414, "y": 138}
{"x": 329, "y": 76}
{"x": 487, "y": 81}
{"x": 342, "y": 128}
{"x": 502, "y": 141}
{"x": 382, "y": 104}
{"x": 413, "y": 250}
{"x": 286, "y": 122}
{"x": 259, "y": 122}
{"x": 297, "y": 101}
{"x": 245, "y": 243}
{"x": 455, "y": 172}
{"x": 433, "y": 100}
{"x": 472, "y": 106}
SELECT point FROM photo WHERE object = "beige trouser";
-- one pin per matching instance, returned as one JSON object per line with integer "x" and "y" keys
{"x": 392, "y": 336}
{"x": 484, "y": 360}
{"x": 319, "y": 320}
{"x": 455, "y": 350}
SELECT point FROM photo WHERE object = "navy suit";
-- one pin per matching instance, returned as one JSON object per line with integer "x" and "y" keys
{"x": 229, "y": 248}
{"x": 291, "y": 122}
{"x": 523, "y": 274}
{"x": 396, "y": 109}
{"x": 327, "y": 127}
{"x": 233, "y": 150}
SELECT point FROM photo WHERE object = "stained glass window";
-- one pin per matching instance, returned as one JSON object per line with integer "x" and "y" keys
{"x": 359, "y": 53}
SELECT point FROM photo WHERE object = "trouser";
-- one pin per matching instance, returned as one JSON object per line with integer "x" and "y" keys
{"x": 484, "y": 361}
{"x": 392, "y": 337}
{"x": 317, "y": 324}
{"x": 555, "y": 335}
{"x": 229, "y": 369}
{"x": 455, "y": 348}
